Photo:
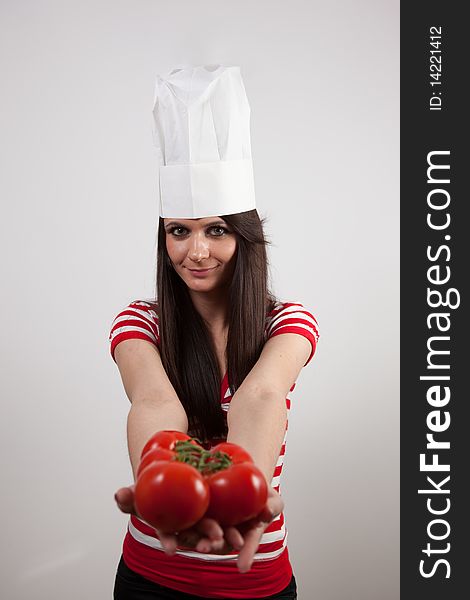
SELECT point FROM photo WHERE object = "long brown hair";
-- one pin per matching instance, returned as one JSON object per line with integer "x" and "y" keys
{"x": 186, "y": 348}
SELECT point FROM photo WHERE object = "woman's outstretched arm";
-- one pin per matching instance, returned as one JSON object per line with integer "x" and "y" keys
{"x": 257, "y": 420}
{"x": 257, "y": 415}
{"x": 155, "y": 404}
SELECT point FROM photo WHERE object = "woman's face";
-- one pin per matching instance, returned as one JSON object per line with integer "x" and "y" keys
{"x": 195, "y": 245}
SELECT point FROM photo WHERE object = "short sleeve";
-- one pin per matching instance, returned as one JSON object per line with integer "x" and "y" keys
{"x": 137, "y": 321}
{"x": 293, "y": 317}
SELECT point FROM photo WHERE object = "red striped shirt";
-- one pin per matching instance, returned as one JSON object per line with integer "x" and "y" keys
{"x": 213, "y": 575}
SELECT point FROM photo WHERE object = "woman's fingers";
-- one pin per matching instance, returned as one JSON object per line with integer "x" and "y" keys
{"x": 247, "y": 553}
{"x": 208, "y": 546}
{"x": 234, "y": 538}
{"x": 266, "y": 515}
{"x": 232, "y": 542}
{"x": 253, "y": 530}
{"x": 212, "y": 540}
{"x": 125, "y": 499}
{"x": 204, "y": 536}
{"x": 272, "y": 509}
{"x": 168, "y": 541}
{"x": 210, "y": 529}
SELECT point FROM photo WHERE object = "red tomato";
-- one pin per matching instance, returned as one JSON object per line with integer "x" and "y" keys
{"x": 164, "y": 439}
{"x": 237, "y": 494}
{"x": 154, "y": 455}
{"x": 171, "y": 496}
{"x": 237, "y": 453}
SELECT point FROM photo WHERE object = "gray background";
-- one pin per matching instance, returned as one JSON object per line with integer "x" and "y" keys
{"x": 78, "y": 242}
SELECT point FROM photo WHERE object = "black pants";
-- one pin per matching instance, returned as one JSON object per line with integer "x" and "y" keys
{"x": 132, "y": 586}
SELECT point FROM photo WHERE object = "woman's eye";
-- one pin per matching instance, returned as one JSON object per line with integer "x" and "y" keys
{"x": 174, "y": 231}
{"x": 221, "y": 229}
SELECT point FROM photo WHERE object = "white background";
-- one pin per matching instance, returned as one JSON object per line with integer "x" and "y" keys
{"x": 78, "y": 242}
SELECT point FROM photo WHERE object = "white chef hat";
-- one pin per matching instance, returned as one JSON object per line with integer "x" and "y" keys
{"x": 202, "y": 133}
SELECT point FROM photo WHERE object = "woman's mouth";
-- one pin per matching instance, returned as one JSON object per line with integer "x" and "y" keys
{"x": 201, "y": 272}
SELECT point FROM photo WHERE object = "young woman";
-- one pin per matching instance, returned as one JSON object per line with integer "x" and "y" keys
{"x": 216, "y": 355}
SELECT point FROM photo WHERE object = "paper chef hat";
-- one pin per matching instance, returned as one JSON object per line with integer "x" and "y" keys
{"x": 202, "y": 133}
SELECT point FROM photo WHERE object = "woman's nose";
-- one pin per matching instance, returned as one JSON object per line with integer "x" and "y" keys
{"x": 199, "y": 248}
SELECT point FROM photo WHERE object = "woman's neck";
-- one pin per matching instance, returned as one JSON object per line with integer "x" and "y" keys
{"x": 213, "y": 308}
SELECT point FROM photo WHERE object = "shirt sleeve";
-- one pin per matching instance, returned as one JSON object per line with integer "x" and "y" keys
{"x": 137, "y": 321}
{"x": 293, "y": 317}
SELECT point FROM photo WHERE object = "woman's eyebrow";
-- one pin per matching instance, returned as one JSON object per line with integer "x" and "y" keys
{"x": 212, "y": 224}
{"x": 173, "y": 223}
{"x": 219, "y": 222}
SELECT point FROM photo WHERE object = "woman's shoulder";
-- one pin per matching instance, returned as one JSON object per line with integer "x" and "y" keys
{"x": 289, "y": 313}
{"x": 138, "y": 320}
{"x": 145, "y": 307}
{"x": 285, "y": 306}
{"x": 148, "y": 306}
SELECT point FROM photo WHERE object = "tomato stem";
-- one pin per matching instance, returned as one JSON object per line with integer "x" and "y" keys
{"x": 205, "y": 461}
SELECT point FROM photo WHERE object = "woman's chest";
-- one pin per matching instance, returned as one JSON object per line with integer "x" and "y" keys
{"x": 222, "y": 362}
{"x": 220, "y": 348}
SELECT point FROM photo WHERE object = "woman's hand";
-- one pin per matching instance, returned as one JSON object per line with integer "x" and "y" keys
{"x": 253, "y": 530}
{"x": 209, "y": 537}
{"x": 244, "y": 538}
{"x": 205, "y": 536}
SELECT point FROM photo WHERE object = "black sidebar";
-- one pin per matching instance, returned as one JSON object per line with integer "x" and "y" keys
{"x": 435, "y": 269}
